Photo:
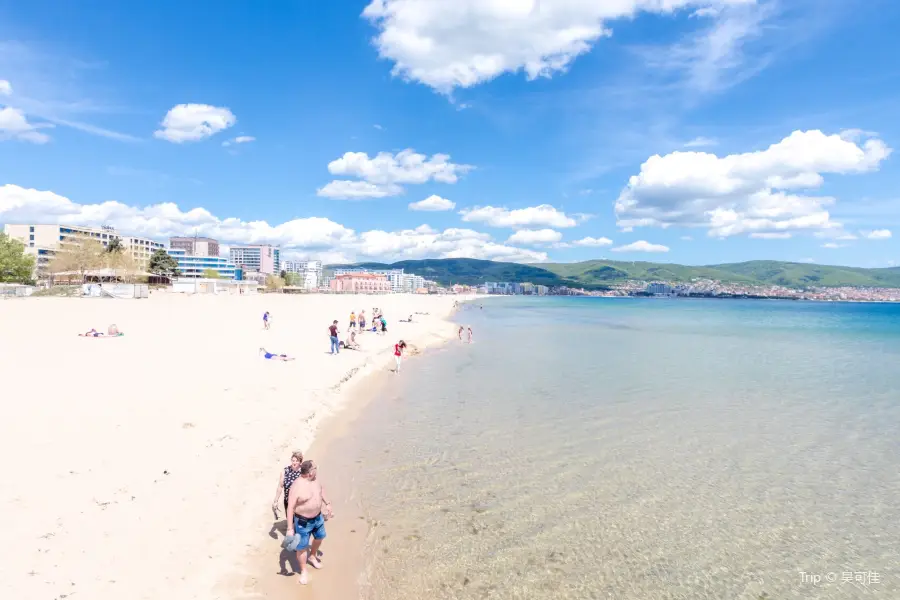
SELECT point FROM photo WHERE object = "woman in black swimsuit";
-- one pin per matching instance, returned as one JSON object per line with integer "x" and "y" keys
{"x": 287, "y": 476}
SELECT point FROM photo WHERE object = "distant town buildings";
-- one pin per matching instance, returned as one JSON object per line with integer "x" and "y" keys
{"x": 400, "y": 281}
{"x": 507, "y": 288}
{"x": 361, "y": 283}
{"x": 264, "y": 259}
{"x": 194, "y": 267}
{"x": 43, "y": 241}
{"x": 195, "y": 246}
{"x": 310, "y": 272}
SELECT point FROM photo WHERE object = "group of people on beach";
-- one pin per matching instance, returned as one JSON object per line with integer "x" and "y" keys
{"x": 306, "y": 509}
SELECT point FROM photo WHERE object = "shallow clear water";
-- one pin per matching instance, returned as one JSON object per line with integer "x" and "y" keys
{"x": 641, "y": 449}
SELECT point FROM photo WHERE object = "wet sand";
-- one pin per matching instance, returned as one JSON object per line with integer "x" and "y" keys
{"x": 271, "y": 571}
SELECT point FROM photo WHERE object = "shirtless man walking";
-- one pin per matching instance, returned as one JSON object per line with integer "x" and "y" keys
{"x": 304, "y": 511}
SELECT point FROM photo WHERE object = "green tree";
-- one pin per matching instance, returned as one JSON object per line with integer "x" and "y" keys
{"x": 15, "y": 265}
{"x": 114, "y": 246}
{"x": 211, "y": 274}
{"x": 163, "y": 264}
{"x": 291, "y": 278}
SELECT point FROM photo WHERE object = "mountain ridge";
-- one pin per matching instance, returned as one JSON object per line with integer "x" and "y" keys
{"x": 600, "y": 274}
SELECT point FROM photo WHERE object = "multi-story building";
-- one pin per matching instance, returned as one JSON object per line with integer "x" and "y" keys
{"x": 195, "y": 246}
{"x": 141, "y": 248}
{"x": 541, "y": 290}
{"x": 309, "y": 270}
{"x": 396, "y": 277}
{"x": 264, "y": 259}
{"x": 44, "y": 241}
{"x": 195, "y": 266}
{"x": 361, "y": 283}
{"x": 413, "y": 283}
{"x": 659, "y": 288}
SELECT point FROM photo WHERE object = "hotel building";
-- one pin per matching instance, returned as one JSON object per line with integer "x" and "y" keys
{"x": 263, "y": 259}
{"x": 309, "y": 270}
{"x": 43, "y": 241}
{"x": 194, "y": 266}
{"x": 361, "y": 283}
{"x": 195, "y": 246}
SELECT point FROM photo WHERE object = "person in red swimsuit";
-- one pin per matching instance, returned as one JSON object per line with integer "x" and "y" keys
{"x": 398, "y": 353}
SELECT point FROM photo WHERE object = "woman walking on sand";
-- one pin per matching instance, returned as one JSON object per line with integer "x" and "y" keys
{"x": 287, "y": 476}
{"x": 470, "y": 335}
{"x": 398, "y": 354}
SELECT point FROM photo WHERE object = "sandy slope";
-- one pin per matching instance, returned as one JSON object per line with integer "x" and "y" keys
{"x": 137, "y": 467}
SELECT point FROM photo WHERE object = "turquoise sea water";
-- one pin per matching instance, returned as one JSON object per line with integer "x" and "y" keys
{"x": 641, "y": 449}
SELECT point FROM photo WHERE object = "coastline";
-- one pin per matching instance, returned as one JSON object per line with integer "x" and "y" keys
{"x": 145, "y": 449}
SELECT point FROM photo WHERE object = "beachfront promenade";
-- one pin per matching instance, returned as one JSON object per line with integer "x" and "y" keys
{"x": 143, "y": 466}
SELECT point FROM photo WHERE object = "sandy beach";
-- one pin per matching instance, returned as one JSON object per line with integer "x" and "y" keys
{"x": 144, "y": 466}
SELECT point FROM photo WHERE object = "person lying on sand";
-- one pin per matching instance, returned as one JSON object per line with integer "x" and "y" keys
{"x": 409, "y": 320}
{"x": 112, "y": 331}
{"x": 271, "y": 356}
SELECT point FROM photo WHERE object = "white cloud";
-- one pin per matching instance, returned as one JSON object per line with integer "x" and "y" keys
{"x": 531, "y": 237}
{"x": 878, "y": 234}
{"x": 717, "y": 56}
{"x": 241, "y": 139}
{"x": 424, "y": 242}
{"x": 432, "y": 203}
{"x": 687, "y": 238}
{"x": 378, "y": 127}
{"x": 5, "y": 88}
{"x": 590, "y": 242}
{"x": 406, "y": 166}
{"x": 641, "y": 246}
{"x": 193, "y": 122}
{"x": 447, "y": 44}
{"x": 15, "y": 126}
{"x": 771, "y": 235}
{"x": 833, "y": 245}
{"x": 310, "y": 236}
{"x": 343, "y": 189}
{"x": 385, "y": 171}
{"x": 543, "y": 215}
{"x": 745, "y": 193}
{"x": 700, "y": 142}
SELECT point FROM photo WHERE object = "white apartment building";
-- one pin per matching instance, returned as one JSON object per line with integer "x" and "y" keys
{"x": 44, "y": 241}
{"x": 310, "y": 270}
{"x": 411, "y": 283}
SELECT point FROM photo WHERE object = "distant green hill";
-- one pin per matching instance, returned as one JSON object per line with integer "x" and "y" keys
{"x": 598, "y": 274}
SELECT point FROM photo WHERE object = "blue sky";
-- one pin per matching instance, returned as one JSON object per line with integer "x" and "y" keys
{"x": 772, "y": 123}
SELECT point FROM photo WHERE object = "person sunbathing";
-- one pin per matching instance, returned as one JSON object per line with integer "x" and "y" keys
{"x": 112, "y": 331}
{"x": 272, "y": 356}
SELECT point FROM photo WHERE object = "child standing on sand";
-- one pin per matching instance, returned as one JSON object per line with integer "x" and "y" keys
{"x": 398, "y": 354}
{"x": 266, "y": 320}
